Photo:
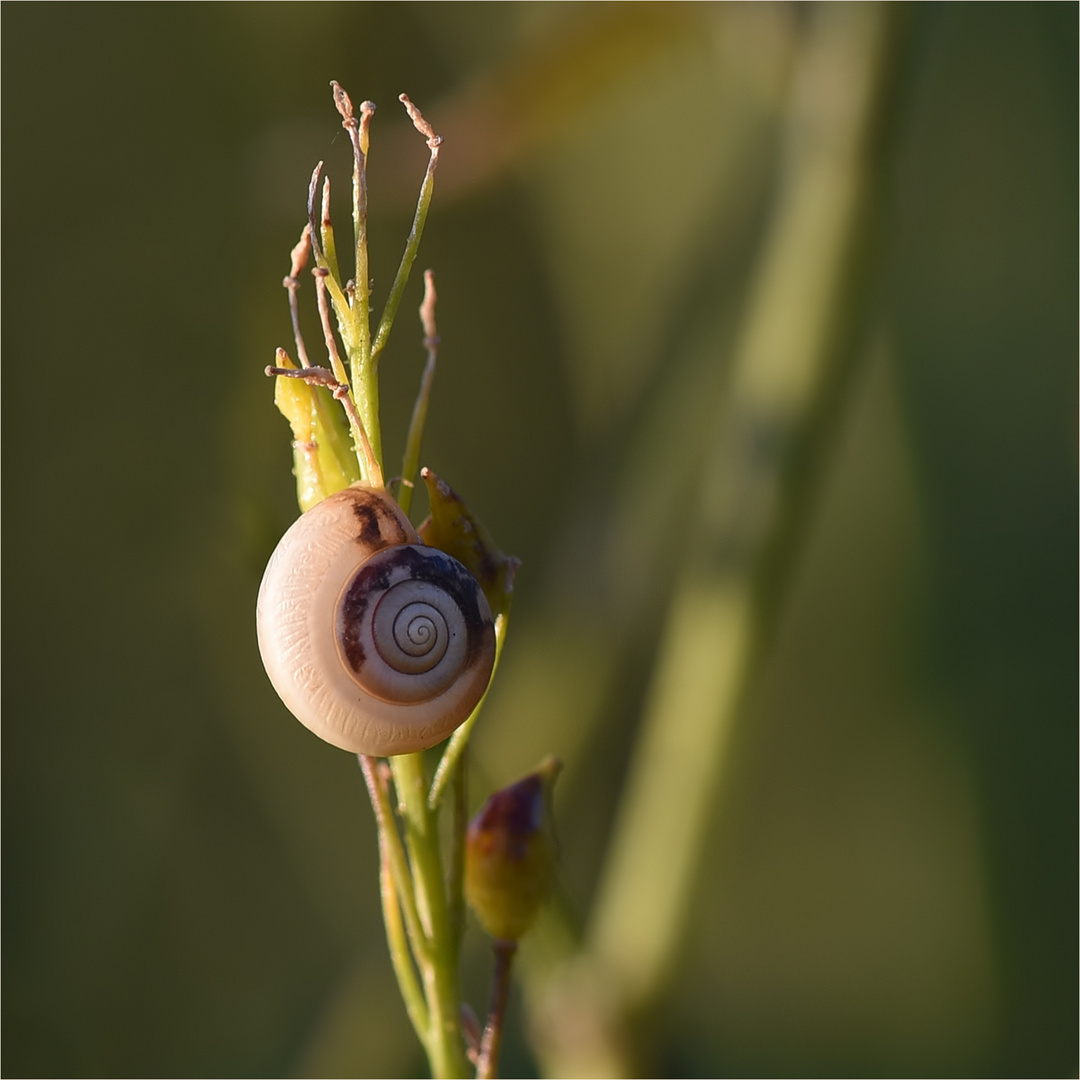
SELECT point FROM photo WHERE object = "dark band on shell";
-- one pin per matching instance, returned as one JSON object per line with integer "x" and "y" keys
{"x": 448, "y": 578}
{"x": 378, "y": 525}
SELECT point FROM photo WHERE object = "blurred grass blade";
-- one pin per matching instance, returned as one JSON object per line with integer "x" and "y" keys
{"x": 782, "y": 356}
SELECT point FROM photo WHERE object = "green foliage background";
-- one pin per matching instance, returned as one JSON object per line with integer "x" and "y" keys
{"x": 889, "y": 880}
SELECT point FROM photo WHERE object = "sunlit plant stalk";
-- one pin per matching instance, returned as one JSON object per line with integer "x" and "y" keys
{"x": 423, "y": 907}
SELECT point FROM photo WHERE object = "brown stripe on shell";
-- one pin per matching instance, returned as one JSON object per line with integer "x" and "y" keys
{"x": 378, "y": 520}
{"x": 424, "y": 564}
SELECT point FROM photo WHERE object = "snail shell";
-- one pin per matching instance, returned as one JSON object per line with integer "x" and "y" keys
{"x": 378, "y": 644}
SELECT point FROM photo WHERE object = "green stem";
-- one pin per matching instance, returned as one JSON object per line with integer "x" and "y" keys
{"x": 368, "y": 460}
{"x": 400, "y": 957}
{"x": 352, "y": 313}
{"x": 412, "y": 245}
{"x": 362, "y": 279}
{"x": 396, "y": 862}
{"x": 411, "y": 461}
{"x": 366, "y": 395}
{"x": 446, "y": 1053}
{"x": 460, "y": 739}
{"x": 326, "y": 231}
{"x": 458, "y": 825}
{"x": 488, "y": 1065}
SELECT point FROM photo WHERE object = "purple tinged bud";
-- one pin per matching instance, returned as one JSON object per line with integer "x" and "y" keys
{"x": 510, "y": 854}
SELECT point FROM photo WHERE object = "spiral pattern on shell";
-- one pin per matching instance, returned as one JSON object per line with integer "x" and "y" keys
{"x": 378, "y": 644}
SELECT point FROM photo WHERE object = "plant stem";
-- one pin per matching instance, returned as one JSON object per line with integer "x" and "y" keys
{"x": 446, "y": 1053}
{"x": 370, "y": 465}
{"x": 411, "y": 461}
{"x": 396, "y": 862}
{"x": 412, "y": 245}
{"x": 400, "y": 957}
{"x": 458, "y": 825}
{"x": 326, "y": 230}
{"x": 460, "y": 739}
{"x": 352, "y": 312}
{"x": 358, "y": 136}
{"x": 299, "y": 258}
{"x": 488, "y": 1063}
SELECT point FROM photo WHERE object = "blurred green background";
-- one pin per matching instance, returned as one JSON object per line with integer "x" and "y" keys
{"x": 885, "y": 872}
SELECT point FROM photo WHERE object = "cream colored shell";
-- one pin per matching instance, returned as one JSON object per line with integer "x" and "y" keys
{"x": 378, "y": 644}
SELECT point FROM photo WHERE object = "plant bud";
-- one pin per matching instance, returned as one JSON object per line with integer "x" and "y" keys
{"x": 510, "y": 854}
{"x": 453, "y": 528}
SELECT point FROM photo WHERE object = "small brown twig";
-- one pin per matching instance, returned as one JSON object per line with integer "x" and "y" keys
{"x": 417, "y": 117}
{"x": 313, "y": 188}
{"x": 427, "y": 315}
{"x": 470, "y": 1030}
{"x": 313, "y": 376}
{"x": 326, "y": 223}
{"x": 299, "y": 257}
{"x": 488, "y": 1064}
{"x": 358, "y": 129}
{"x": 336, "y": 365}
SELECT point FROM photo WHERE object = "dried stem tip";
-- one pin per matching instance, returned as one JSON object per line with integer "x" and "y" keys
{"x": 313, "y": 231}
{"x": 326, "y": 223}
{"x": 367, "y": 111}
{"x": 421, "y": 125}
{"x": 299, "y": 256}
{"x": 342, "y": 101}
{"x": 427, "y": 311}
{"x": 356, "y": 128}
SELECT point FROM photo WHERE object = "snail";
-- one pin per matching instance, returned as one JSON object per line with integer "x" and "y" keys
{"x": 377, "y": 643}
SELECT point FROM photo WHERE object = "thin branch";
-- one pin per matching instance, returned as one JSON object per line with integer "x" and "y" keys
{"x": 400, "y": 957}
{"x": 358, "y": 130}
{"x": 413, "y": 243}
{"x": 321, "y": 274}
{"x": 411, "y": 461}
{"x": 298, "y": 260}
{"x": 326, "y": 229}
{"x": 427, "y": 312}
{"x": 488, "y": 1065}
{"x": 397, "y": 862}
{"x": 470, "y": 1029}
{"x": 313, "y": 187}
{"x": 441, "y": 979}
{"x": 421, "y": 125}
{"x": 455, "y": 886}
{"x": 444, "y": 772}
{"x": 313, "y": 376}
{"x": 341, "y": 302}
{"x": 368, "y": 461}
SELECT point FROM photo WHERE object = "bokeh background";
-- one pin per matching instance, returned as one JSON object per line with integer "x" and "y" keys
{"x": 883, "y": 851}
